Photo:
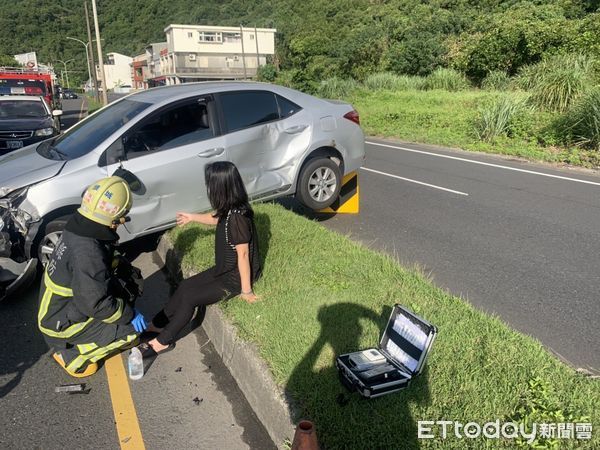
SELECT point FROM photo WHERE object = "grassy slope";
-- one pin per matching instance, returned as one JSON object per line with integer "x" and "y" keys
{"x": 324, "y": 294}
{"x": 446, "y": 118}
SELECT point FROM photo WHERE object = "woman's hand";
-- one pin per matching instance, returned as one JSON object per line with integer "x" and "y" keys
{"x": 184, "y": 218}
{"x": 250, "y": 298}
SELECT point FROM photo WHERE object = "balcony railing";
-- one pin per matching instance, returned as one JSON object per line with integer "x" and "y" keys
{"x": 215, "y": 71}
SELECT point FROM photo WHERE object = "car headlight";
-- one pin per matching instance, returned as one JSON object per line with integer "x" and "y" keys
{"x": 44, "y": 132}
{"x": 4, "y": 191}
{"x": 11, "y": 197}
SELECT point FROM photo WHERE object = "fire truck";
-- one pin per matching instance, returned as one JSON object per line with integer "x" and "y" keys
{"x": 23, "y": 81}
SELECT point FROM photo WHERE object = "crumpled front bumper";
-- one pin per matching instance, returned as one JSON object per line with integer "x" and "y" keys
{"x": 14, "y": 276}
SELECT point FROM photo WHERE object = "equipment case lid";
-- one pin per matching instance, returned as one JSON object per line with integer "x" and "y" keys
{"x": 407, "y": 339}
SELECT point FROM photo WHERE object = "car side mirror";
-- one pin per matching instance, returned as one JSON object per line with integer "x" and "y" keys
{"x": 57, "y": 113}
{"x": 135, "y": 184}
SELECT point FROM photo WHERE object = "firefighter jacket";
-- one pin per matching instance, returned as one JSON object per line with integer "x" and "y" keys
{"x": 77, "y": 287}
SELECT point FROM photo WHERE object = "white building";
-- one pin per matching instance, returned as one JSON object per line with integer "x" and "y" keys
{"x": 198, "y": 52}
{"x": 117, "y": 71}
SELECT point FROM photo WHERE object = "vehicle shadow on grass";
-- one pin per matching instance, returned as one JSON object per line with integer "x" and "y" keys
{"x": 293, "y": 205}
{"x": 343, "y": 419}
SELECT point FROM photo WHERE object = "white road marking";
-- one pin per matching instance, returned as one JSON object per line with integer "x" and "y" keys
{"x": 81, "y": 110}
{"x": 533, "y": 172}
{"x": 414, "y": 181}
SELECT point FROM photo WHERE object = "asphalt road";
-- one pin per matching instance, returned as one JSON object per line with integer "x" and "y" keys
{"x": 187, "y": 398}
{"x": 522, "y": 245}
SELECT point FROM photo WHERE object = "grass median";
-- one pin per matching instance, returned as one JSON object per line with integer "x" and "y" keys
{"x": 324, "y": 294}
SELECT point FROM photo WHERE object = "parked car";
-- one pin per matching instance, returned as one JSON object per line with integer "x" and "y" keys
{"x": 68, "y": 94}
{"x": 283, "y": 142}
{"x": 25, "y": 120}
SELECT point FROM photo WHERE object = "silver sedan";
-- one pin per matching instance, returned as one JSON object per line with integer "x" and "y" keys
{"x": 284, "y": 142}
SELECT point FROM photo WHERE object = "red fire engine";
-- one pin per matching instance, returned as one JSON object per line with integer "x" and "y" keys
{"x": 22, "y": 81}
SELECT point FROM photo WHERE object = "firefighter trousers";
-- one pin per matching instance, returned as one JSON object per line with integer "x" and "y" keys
{"x": 95, "y": 342}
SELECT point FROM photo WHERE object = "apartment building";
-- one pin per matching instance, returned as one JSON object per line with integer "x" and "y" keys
{"x": 139, "y": 71}
{"x": 154, "y": 75}
{"x": 117, "y": 71}
{"x": 198, "y": 52}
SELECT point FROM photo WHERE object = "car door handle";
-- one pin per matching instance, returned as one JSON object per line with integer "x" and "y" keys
{"x": 296, "y": 129}
{"x": 212, "y": 152}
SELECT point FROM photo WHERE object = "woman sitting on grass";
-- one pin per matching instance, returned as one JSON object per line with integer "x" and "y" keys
{"x": 237, "y": 263}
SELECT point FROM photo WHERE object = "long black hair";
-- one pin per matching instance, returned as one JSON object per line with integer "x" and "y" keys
{"x": 225, "y": 188}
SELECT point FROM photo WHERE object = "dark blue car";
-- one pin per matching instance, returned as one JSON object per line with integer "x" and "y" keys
{"x": 25, "y": 120}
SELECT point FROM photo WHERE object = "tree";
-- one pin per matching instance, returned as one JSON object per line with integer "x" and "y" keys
{"x": 10, "y": 61}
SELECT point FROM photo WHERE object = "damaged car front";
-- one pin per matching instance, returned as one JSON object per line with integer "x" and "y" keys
{"x": 16, "y": 269}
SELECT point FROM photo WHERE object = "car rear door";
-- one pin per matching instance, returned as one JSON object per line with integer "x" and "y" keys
{"x": 262, "y": 138}
{"x": 168, "y": 151}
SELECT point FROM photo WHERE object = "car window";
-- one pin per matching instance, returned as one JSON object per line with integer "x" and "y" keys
{"x": 17, "y": 109}
{"x": 286, "y": 107}
{"x": 248, "y": 108}
{"x": 182, "y": 125}
{"x": 82, "y": 138}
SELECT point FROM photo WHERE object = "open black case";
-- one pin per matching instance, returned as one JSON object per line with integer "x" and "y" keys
{"x": 404, "y": 345}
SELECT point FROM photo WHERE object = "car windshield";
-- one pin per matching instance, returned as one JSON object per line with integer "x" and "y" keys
{"x": 18, "y": 109}
{"x": 86, "y": 135}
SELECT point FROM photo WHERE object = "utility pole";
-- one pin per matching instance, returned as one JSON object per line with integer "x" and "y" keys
{"x": 66, "y": 70}
{"x": 243, "y": 53}
{"x": 92, "y": 62}
{"x": 100, "y": 58}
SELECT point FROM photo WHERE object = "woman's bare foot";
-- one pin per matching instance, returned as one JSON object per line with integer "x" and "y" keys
{"x": 157, "y": 346}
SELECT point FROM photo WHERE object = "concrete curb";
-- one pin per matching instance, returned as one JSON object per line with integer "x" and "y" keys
{"x": 249, "y": 370}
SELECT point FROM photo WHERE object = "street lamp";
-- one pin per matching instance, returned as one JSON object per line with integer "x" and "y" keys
{"x": 66, "y": 71}
{"x": 87, "y": 56}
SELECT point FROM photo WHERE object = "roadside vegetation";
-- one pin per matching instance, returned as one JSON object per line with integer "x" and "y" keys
{"x": 548, "y": 111}
{"x": 92, "y": 104}
{"x": 323, "y": 295}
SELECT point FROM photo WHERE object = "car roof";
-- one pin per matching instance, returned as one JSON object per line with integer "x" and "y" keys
{"x": 20, "y": 97}
{"x": 159, "y": 94}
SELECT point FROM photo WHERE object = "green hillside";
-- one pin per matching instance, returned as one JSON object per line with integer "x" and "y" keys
{"x": 345, "y": 38}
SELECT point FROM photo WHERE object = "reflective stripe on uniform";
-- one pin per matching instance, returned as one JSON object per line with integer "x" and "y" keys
{"x": 86, "y": 348}
{"x": 99, "y": 353}
{"x": 53, "y": 288}
{"x": 118, "y": 313}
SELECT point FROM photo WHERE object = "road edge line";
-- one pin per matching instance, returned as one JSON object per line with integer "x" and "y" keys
{"x": 126, "y": 420}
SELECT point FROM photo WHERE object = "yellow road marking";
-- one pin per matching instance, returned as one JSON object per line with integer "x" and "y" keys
{"x": 128, "y": 427}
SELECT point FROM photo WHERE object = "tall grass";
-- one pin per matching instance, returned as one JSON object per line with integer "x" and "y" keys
{"x": 446, "y": 79}
{"x": 556, "y": 82}
{"x": 393, "y": 82}
{"x": 581, "y": 125}
{"x": 336, "y": 87}
{"x": 496, "y": 117}
{"x": 496, "y": 80}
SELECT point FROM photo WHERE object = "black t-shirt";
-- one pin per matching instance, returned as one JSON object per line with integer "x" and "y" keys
{"x": 234, "y": 228}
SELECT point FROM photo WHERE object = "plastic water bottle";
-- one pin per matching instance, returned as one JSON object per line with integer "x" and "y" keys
{"x": 135, "y": 364}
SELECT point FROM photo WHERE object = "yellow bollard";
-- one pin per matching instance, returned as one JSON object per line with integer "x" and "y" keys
{"x": 348, "y": 200}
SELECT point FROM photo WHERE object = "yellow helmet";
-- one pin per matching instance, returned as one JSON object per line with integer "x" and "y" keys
{"x": 107, "y": 200}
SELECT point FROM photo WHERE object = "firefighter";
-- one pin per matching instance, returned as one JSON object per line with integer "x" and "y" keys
{"x": 83, "y": 314}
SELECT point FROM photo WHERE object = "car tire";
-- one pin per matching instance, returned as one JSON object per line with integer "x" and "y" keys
{"x": 319, "y": 183}
{"x": 49, "y": 237}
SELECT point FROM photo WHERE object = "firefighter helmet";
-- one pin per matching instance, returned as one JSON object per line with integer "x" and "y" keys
{"x": 106, "y": 201}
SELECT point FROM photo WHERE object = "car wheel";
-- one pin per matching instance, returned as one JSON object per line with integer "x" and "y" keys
{"x": 319, "y": 183}
{"x": 49, "y": 238}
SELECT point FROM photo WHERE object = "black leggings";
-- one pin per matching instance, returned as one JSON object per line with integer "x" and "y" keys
{"x": 202, "y": 289}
